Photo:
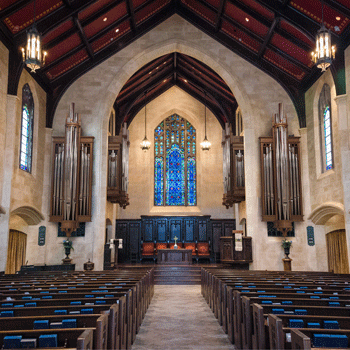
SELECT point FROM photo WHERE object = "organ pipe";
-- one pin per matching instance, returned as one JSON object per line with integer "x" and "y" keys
{"x": 233, "y": 168}
{"x": 118, "y": 168}
{"x": 281, "y": 187}
{"x": 72, "y": 174}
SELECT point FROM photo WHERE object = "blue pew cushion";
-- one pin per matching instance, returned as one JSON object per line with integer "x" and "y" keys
{"x": 75, "y": 302}
{"x": 30, "y": 304}
{"x": 19, "y": 305}
{"x": 313, "y": 325}
{"x": 27, "y": 297}
{"x": 300, "y": 311}
{"x": 334, "y": 303}
{"x": 278, "y": 311}
{"x": 330, "y": 340}
{"x": 330, "y": 324}
{"x": 266, "y": 302}
{"x": 287, "y": 302}
{"x": 7, "y": 305}
{"x": 296, "y": 323}
{"x": 28, "y": 343}
{"x": 12, "y": 341}
{"x": 60, "y": 312}
{"x": 89, "y": 296}
{"x": 6, "y": 314}
{"x": 62, "y": 291}
{"x": 87, "y": 311}
{"x": 41, "y": 324}
{"x": 48, "y": 341}
{"x": 47, "y": 297}
{"x": 100, "y": 301}
{"x": 69, "y": 323}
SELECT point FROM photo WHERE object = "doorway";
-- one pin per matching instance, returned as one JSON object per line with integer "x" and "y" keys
{"x": 337, "y": 252}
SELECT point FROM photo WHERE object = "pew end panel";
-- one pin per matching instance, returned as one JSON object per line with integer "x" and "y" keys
{"x": 300, "y": 340}
{"x": 85, "y": 340}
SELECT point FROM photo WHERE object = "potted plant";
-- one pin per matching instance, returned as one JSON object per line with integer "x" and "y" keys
{"x": 68, "y": 246}
{"x": 286, "y": 246}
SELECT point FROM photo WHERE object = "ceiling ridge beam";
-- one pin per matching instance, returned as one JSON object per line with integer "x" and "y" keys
{"x": 219, "y": 14}
{"x": 268, "y": 37}
{"x": 130, "y": 8}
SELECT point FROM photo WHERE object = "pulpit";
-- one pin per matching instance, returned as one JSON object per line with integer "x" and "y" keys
{"x": 236, "y": 250}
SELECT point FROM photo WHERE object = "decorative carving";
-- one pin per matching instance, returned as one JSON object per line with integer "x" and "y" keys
{"x": 72, "y": 176}
{"x": 233, "y": 168}
{"x": 118, "y": 168}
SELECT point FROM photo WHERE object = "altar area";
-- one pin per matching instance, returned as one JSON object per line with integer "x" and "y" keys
{"x": 174, "y": 256}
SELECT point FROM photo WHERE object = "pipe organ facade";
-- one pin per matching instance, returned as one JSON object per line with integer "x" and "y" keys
{"x": 233, "y": 168}
{"x": 72, "y": 176}
{"x": 118, "y": 168}
{"x": 281, "y": 185}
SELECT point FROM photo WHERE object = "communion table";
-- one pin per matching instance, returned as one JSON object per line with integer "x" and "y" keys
{"x": 174, "y": 256}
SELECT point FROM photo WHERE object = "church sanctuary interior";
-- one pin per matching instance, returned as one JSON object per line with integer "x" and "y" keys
{"x": 174, "y": 174}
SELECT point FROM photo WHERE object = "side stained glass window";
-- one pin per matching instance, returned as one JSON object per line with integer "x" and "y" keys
{"x": 175, "y": 163}
{"x": 25, "y": 160}
{"x": 325, "y": 122}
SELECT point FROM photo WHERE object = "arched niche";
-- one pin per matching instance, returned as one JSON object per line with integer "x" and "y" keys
{"x": 29, "y": 214}
{"x": 325, "y": 212}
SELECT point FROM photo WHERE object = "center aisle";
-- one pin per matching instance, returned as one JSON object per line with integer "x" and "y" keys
{"x": 179, "y": 318}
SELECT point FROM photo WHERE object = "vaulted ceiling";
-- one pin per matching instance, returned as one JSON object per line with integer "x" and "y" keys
{"x": 277, "y": 36}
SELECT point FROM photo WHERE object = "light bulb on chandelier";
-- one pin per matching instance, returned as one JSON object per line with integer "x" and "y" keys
{"x": 205, "y": 144}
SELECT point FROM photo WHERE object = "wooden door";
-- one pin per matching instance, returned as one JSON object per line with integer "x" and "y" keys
{"x": 337, "y": 252}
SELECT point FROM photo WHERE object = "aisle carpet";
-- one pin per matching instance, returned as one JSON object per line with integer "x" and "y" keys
{"x": 179, "y": 318}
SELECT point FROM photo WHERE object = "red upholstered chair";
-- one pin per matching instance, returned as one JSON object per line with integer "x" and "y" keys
{"x": 147, "y": 250}
{"x": 203, "y": 250}
{"x": 191, "y": 245}
{"x": 161, "y": 246}
{"x": 171, "y": 245}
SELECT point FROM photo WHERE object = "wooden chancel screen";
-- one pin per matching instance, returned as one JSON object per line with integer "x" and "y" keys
{"x": 233, "y": 168}
{"x": 118, "y": 168}
{"x": 280, "y": 176}
{"x": 72, "y": 176}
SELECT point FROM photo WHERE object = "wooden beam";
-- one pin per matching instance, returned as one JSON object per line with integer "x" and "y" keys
{"x": 268, "y": 37}
{"x": 83, "y": 37}
{"x": 130, "y": 8}
{"x": 219, "y": 14}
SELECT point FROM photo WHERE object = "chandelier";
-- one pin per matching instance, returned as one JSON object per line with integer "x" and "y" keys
{"x": 325, "y": 52}
{"x": 205, "y": 144}
{"x": 33, "y": 56}
{"x": 145, "y": 144}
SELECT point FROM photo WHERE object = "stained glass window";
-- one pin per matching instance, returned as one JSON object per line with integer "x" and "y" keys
{"x": 326, "y": 129}
{"x": 25, "y": 160}
{"x": 175, "y": 163}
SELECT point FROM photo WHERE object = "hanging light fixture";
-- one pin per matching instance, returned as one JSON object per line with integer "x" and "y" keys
{"x": 325, "y": 52}
{"x": 205, "y": 144}
{"x": 33, "y": 56}
{"x": 145, "y": 144}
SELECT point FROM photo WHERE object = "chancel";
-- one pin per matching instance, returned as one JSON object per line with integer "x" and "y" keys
{"x": 193, "y": 143}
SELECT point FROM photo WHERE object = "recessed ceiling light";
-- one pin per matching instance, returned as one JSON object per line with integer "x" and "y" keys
{"x": 150, "y": 72}
{"x": 164, "y": 80}
{"x": 338, "y": 18}
{"x": 185, "y": 80}
{"x": 157, "y": 67}
{"x": 117, "y": 30}
{"x": 247, "y": 19}
{"x": 105, "y": 19}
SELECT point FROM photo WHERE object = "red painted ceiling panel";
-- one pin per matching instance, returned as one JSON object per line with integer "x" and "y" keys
{"x": 296, "y": 32}
{"x": 313, "y": 9}
{"x": 110, "y": 36}
{"x": 63, "y": 47}
{"x": 201, "y": 10}
{"x": 283, "y": 64}
{"x": 242, "y": 18}
{"x": 345, "y": 3}
{"x": 150, "y": 10}
{"x": 214, "y": 3}
{"x": 259, "y": 9}
{"x": 68, "y": 64}
{"x": 112, "y": 16}
{"x": 57, "y": 31}
{"x": 6, "y": 3}
{"x": 89, "y": 11}
{"x": 291, "y": 49}
{"x": 137, "y": 3}
{"x": 24, "y": 17}
{"x": 240, "y": 36}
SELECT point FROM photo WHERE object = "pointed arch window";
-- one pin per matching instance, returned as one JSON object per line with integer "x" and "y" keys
{"x": 325, "y": 123}
{"x": 26, "y": 147}
{"x": 175, "y": 163}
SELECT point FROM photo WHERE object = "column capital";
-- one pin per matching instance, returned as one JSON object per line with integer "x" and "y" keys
{"x": 340, "y": 98}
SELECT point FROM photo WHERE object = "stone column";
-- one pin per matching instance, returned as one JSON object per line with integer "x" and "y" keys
{"x": 344, "y": 134}
{"x": 9, "y": 163}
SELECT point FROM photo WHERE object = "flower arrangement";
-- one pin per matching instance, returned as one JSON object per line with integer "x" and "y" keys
{"x": 68, "y": 244}
{"x": 286, "y": 243}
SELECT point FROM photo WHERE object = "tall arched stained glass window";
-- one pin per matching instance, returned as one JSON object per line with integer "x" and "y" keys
{"x": 175, "y": 163}
{"x": 25, "y": 158}
{"x": 326, "y": 129}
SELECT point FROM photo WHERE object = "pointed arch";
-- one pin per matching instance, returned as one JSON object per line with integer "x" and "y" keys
{"x": 324, "y": 212}
{"x": 29, "y": 214}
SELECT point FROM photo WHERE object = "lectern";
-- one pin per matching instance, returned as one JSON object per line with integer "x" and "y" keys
{"x": 236, "y": 250}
